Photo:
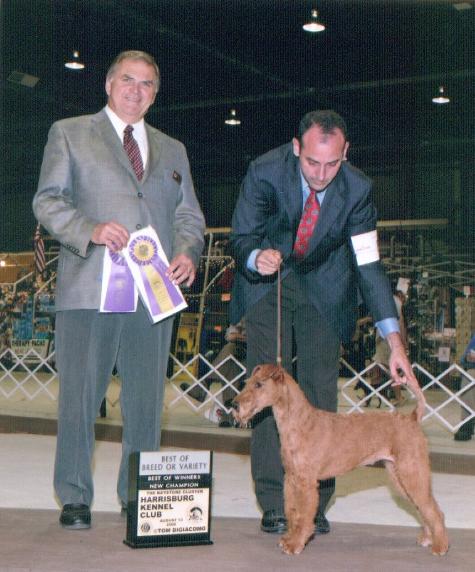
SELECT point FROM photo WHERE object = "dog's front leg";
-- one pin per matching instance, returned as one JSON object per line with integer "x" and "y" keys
{"x": 301, "y": 500}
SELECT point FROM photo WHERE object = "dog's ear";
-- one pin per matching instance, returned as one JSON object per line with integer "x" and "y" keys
{"x": 255, "y": 370}
{"x": 278, "y": 375}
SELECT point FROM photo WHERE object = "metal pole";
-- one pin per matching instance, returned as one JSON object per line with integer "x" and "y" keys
{"x": 204, "y": 289}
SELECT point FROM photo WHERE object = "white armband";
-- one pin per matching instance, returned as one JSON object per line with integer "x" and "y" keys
{"x": 366, "y": 247}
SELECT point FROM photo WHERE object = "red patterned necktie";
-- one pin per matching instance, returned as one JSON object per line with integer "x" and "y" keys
{"x": 307, "y": 224}
{"x": 132, "y": 149}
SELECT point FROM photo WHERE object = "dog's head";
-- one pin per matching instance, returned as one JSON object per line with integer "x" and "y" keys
{"x": 262, "y": 390}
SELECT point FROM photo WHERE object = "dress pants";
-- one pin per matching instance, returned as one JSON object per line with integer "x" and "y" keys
{"x": 317, "y": 347}
{"x": 88, "y": 346}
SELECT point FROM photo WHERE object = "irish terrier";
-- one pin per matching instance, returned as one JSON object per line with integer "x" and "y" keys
{"x": 317, "y": 445}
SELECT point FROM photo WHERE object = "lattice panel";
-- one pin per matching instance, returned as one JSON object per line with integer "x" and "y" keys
{"x": 209, "y": 385}
{"x": 442, "y": 394}
{"x": 213, "y": 384}
{"x": 29, "y": 374}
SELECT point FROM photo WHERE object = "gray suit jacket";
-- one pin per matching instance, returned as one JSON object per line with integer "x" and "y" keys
{"x": 86, "y": 178}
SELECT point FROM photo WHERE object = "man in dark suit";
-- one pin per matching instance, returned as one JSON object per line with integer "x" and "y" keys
{"x": 104, "y": 176}
{"x": 305, "y": 210}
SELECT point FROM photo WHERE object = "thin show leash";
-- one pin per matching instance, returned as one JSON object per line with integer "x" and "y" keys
{"x": 279, "y": 318}
{"x": 279, "y": 336}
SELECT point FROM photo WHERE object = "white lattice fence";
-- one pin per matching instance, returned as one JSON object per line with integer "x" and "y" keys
{"x": 29, "y": 374}
{"x": 201, "y": 384}
{"x": 210, "y": 387}
{"x": 443, "y": 403}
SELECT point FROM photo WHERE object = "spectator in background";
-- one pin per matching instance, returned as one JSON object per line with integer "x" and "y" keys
{"x": 383, "y": 352}
{"x": 468, "y": 362}
{"x": 235, "y": 338}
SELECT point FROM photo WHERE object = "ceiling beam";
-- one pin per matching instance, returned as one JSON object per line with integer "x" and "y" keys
{"x": 312, "y": 91}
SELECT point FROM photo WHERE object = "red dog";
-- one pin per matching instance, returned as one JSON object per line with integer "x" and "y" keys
{"x": 316, "y": 445}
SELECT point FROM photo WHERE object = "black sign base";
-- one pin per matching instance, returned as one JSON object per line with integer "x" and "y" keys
{"x": 181, "y": 541}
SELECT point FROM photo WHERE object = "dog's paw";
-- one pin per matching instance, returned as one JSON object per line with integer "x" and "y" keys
{"x": 441, "y": 551}
{"x": 291, "y": 545}
{"x": 424, "y": 539}
{"x": 440, "y": 548}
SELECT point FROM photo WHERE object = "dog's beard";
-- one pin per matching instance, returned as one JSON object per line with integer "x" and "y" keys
{"x": 249, "y": 407}
{"x": 243, "y": 418}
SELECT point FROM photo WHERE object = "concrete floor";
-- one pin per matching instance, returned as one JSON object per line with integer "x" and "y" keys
{"x": 31, "y": 541}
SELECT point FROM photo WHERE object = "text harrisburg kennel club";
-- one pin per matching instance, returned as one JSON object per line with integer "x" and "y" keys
{"x": 169, "y": 498}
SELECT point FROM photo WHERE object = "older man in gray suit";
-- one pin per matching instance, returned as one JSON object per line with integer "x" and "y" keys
{"x": 92, "y": 193}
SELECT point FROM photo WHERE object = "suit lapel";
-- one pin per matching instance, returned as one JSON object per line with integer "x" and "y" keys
{"x": 108, "y": 134}
{"x": 154, "y": 151}
{"x": 291, "y": 192}
{"x": 331, "y": 207}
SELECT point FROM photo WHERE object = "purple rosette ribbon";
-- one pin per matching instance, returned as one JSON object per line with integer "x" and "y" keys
{"x": 143, "y": 251}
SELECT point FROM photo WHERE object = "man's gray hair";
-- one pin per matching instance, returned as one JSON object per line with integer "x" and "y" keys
{"x": 134, "y": 55}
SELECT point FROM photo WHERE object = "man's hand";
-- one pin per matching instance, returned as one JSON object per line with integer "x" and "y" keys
{"x": 114, "y": 235}
{"x": 268, "y": 261}
{"x": 401, "y": 370}
{"x": 181, "y": 270}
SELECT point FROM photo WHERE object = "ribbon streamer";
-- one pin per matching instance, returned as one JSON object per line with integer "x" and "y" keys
{"x": 119, "y": 293}
{"x": 161, "y": 296}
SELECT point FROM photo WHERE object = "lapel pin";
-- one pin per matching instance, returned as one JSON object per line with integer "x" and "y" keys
{"x": 177, "y": 177}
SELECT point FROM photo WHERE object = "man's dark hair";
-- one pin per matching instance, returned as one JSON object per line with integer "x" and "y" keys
{"x": 326, "y": 119}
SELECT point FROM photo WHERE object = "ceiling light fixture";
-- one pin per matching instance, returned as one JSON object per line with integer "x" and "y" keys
{"x": 460, "y": 6}
{"x": 75, "y": 64}
{"x": 441, "y": 97}
{"x": 313, "y": 25}
{"x": 23, "y": 79}
{"x": 232, "y": 119}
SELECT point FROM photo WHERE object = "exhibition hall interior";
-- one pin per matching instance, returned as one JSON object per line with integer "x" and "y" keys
{"x": 236, "y": 77}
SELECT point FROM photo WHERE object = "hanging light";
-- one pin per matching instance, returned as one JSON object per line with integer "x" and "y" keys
{"x": 441, "y": 97}
{"x": 232, "y": 118}
{"x": 75, "y": 63}
{"x": 313, "y": 25}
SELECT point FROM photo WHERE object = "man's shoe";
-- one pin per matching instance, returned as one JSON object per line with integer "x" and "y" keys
{"x": 75, "y": 516}
{"x": 465, "y": 432}
{"x": 322, "y": 526}
{"x": 273, "y": 521}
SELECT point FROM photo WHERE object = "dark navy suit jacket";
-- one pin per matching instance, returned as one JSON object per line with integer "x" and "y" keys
{"x": 267, "y": 215}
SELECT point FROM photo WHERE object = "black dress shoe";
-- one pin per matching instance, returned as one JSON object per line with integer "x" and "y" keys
{"x": 322, "y": 526}
{"x": 75, "y": 516}
{"x": 273, "y": 521}
{"x": 465, "y": 432}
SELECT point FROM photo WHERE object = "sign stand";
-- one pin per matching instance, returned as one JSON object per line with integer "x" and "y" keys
{"x": 169, "y": 500}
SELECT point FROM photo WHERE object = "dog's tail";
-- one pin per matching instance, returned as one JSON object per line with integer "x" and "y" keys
{"x": 418, "y": 412}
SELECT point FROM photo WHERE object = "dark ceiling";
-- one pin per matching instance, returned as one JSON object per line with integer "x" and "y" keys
{"x": 378, "y": 63}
